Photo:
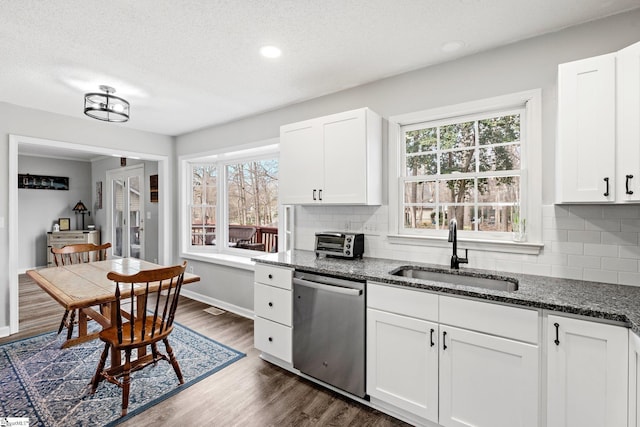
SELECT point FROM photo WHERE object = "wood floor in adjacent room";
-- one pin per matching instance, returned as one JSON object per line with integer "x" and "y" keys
{"x": 250, "y": 392}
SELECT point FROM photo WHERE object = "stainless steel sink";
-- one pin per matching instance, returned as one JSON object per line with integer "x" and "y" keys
{"x": 498, "y": 283}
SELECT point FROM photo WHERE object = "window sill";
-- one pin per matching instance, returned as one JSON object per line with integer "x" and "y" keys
{"x": 527, "y": 248}
{"x": 235, "y": 261}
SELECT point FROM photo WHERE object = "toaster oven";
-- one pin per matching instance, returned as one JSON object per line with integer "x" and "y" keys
{"x": 339, "y": 244}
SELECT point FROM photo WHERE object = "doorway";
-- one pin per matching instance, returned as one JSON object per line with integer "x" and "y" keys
{"x": 125, "y": 218}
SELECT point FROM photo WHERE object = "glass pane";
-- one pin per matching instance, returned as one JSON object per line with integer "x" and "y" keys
{"x": 421, "y": 140}
{"x": 118, "y": 215}
{"x": 426, "y": 164}
{"x": 134, "y": 216}
{"x": 464, "y": 215}
{"x": 253, "y": 205}
{"x": 458, "y": 135}
{"x": 456, "y": 191}
{"x": 418, "y": 192}
{"x": 506, "y": 157}
{"x": 420, "y": 217}
{"x": 204, "y": 184}
{"x": 499, "y": 129}
{"x": 494, "y": 218}
{"x": 203, "y": 225}
{"x": 497, "y": 190}
{"x": 458, "y": 161}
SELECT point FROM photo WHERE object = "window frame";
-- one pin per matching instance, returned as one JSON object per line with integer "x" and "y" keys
{"x": 219, "y": 253}
{"x": 530, "y": 174}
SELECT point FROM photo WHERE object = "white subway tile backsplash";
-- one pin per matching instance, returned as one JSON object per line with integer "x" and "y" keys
{"x": 619, "y": 264}
{"x": 632, "y": 279}
{"x": 593, "y": 275}
{"x": 602, "y": 224}
{"x": 600, "y": 250}
{"x": 598, "y": 243}
{"x": 620, "y": 238}
{"x": 583, "y": 236}
{"x": 575, "y": 248}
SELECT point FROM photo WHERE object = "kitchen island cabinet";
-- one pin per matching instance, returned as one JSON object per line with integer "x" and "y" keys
{"x": 587, "y": 373}
{"x": 335, "y": 159}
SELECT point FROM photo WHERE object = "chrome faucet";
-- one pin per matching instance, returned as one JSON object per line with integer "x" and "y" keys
{"x": 453, "y": 237}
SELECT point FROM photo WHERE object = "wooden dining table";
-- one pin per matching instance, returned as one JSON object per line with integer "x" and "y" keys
{"x": 85, "y": 286}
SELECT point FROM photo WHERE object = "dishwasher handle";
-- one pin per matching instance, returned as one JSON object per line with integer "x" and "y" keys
{"x": 328, "y": 288}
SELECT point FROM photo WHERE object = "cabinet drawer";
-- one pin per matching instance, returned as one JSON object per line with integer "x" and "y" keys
{"x": 69, "y": 239}
{"x": 274, "y": 276}
{"x": 272, "y": 303}
{"x": 509, "y": 322}
{"x": 407, "y": 302}
{"x": 272, "y": 338}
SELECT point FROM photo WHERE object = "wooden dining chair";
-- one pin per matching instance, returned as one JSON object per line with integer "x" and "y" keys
{"x": 152, "y": 296}
{"x": 76, "y": 254}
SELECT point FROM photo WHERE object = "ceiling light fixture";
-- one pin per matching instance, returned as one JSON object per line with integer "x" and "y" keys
{"x": 270, "y": 52}
{"x": 105, "y": 106}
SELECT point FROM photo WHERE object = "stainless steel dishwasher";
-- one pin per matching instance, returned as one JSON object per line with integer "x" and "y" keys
{"x": 329, "y": 330}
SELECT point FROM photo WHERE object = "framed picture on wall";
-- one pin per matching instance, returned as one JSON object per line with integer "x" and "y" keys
{"x": 98, "y": 194}
{"x": 64, "y": 223}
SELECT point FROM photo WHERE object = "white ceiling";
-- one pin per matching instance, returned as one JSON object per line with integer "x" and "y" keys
{"x": 187, "y": 64}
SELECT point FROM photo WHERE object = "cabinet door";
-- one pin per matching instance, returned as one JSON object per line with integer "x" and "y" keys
{"x": 587, "y": 370}
{"x": 402, "y": 362}
{"x": 634, "y": 380}
{"x": 487, "y": 381}
{"x": 301, "y": 163}
{"x": 585, "y": 167}
{"x": 345, "y": 157}
{"x": 628, "y": 116}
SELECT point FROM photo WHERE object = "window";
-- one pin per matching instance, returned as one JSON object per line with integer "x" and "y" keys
{"x": 232, "y": 202}
{"x": 475, "y": 162}
{"x": 467, "y": 169}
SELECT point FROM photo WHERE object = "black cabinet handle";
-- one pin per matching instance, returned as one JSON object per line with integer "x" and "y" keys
{"x": 606, "y": 192}
{"x": 320, "y": 194}
{"x": 270, "y": 276}
{"x": 627, "y": 184}
{"x": 444, "y": 340}
{"x": 557, "y": 340}
{"x": 270, "y": 339}
{"x": 314, "y": 194}
{"x": 270, "y": 304}
{"x": 431, "y": 337}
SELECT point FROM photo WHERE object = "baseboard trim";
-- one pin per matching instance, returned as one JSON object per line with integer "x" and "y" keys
{"x": 240, "y": 311}
{"x": 5, "y": 331}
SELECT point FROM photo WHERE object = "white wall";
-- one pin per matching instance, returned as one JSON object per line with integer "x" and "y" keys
{"x": 85, "y": 131}
{"x": 40, "y": 209}
{"x": 571, "y": 234}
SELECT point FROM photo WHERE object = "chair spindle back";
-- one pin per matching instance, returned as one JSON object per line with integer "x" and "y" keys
{"x": 80, "y": 253}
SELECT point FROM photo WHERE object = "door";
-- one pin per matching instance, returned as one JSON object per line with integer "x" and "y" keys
{"x": 587, "y": 369}
{"x": 126, "y": 219}
{"x": 628, "y": 123}
{"x": 586, "y": 130}
{"x": 402, "y": 362}
{"x": 487, "y": 381}
{"x": 301, "y": 163}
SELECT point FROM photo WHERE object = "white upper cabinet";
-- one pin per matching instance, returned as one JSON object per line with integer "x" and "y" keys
{"x": 335, "y": 159}
{"x": 586, "y": 130}
{"x": 628, "y": 116}
{"x": 598, "y": 141}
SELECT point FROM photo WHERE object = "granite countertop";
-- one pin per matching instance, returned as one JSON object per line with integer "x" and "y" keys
{"x": 600, "y": 300}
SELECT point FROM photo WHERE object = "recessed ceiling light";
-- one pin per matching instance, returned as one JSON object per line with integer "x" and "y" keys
{"x": 452, "y": 46}
{"x": 270, "y": 52}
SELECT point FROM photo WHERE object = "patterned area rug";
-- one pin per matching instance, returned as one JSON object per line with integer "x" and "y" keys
{"x": 49, "y": 385}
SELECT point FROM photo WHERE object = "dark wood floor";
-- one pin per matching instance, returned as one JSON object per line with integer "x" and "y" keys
{"x": 250, "y": 392}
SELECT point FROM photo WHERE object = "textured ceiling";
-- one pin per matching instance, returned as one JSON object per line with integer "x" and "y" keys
{"x": 185, "y": 65}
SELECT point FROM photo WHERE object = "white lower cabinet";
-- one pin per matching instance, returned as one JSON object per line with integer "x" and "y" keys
{"x": 634, "y": 380}
{"x": 402, "y": 362}
{"x": 587, "y": 373}
{"x": 487, "y": 381}
{"x": 433, "y": 372}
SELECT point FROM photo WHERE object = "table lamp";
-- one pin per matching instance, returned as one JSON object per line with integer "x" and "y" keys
{"x": 80, "y": 208}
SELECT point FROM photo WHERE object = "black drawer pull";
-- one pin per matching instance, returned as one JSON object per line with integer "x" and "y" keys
{"x": 557, "y": 340}
{"x": 627, "y": 184}
{"x": 431, "y": 337}
{"x": 606, "y": 192}
{"x": 270, "y": 276}
{"x": 270, "y": 339}
{"x": 314, "y": 194}
{"x": 444, "y": 340}
{"x": 270, "y": 304}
